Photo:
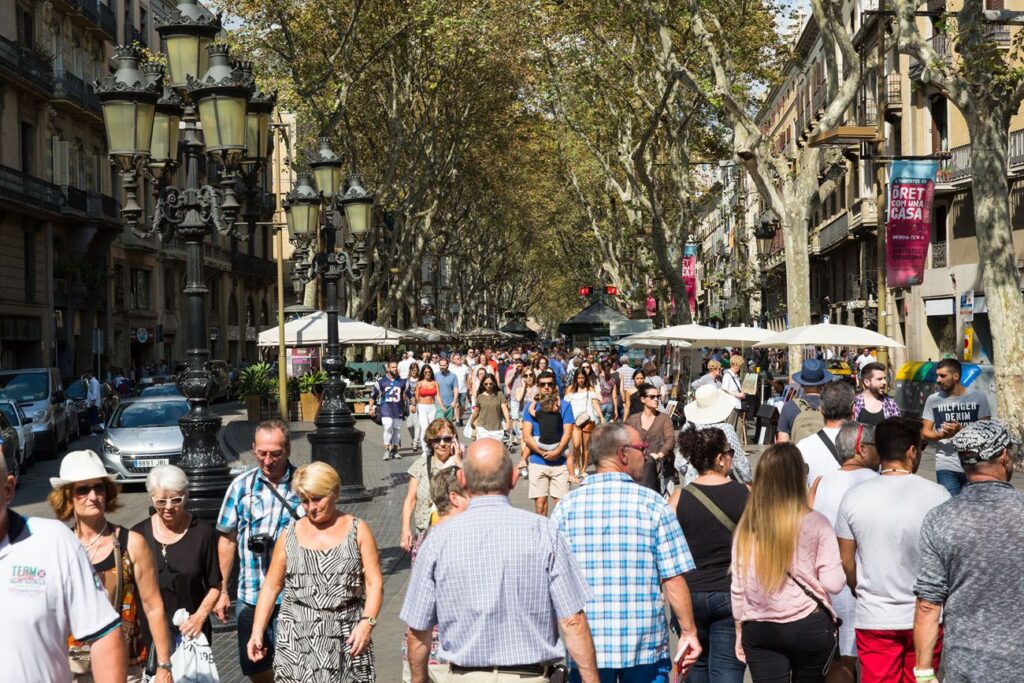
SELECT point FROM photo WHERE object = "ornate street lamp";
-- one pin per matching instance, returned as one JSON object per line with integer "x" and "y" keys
{"x": 336, "y": 440}
{"x": 764, "y": 233}
{"x": 202, "y": 106}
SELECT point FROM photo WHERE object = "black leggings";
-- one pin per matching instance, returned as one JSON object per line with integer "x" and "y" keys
{"x": 794, "y": 651}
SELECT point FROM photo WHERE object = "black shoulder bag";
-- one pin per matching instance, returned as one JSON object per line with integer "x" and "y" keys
{"x": 836, "y": 623}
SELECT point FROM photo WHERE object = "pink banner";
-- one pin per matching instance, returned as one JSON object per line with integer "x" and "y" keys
{"x": 690, "y": 275}
{"x": 908, "y": 228}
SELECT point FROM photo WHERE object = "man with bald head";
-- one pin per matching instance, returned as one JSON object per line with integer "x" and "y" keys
{"x": 501, "y": 585}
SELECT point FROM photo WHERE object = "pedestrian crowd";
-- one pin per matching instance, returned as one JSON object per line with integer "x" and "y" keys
{"x": 832, "y": 560}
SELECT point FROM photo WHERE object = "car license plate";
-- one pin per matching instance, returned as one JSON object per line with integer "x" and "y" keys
{"x": 150, "y": 463}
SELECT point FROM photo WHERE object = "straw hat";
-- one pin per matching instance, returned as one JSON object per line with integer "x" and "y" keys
{"x": 80, "y": 466}
{"x": 710, "y": 405}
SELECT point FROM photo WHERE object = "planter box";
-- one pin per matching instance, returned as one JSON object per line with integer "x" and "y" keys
{"x": 252, "y": 408}
{"x": 310, "y": 404}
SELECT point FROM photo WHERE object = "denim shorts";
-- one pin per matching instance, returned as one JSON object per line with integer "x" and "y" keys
{"x": 244, "y": 613}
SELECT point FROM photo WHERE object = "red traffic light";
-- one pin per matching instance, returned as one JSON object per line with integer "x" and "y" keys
{"x": 611, "y": 291}
{"x": 584, "y": 291}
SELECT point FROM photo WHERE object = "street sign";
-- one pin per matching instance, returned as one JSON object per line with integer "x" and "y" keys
{"x": 967, "y": 306}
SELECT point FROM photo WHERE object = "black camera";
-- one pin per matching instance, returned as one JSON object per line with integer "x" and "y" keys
{"x": 262, "y": 545}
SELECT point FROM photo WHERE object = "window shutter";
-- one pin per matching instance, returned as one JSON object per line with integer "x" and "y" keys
{"x": 61, "y": 163}
{"x": 995, "y": 4}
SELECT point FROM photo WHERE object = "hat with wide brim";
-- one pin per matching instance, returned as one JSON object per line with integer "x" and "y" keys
{"x": 80, "y": 466}
{"x": 710, "y": 405}
{"x": 812, "y": 374}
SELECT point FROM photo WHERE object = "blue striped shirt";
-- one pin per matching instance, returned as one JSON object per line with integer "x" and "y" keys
{"x": 250, "y": 508}
{"x": 627, "y": 540}
{"x": 496, "y": 580}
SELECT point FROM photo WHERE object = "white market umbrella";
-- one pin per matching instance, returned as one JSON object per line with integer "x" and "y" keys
{"x": 311, "y": 330}
{"x": 827, "y": 334}
{"x": 681, "y": 332}
{"x": 645, "y": 339}
{"x": 734, "y": 336}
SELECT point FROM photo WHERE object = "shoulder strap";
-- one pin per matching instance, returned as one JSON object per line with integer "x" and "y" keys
{"x": 716, "y": 511}
{"x": 817, "y": 601}
{"x": 277, "y": 494}
{"x": 803, "y": 405}
{"x": 119, "y": 573}
{"x": 830, "y": 445}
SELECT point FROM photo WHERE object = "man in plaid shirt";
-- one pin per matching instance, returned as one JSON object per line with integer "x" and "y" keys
{"x": 872, "y": 405}
{"x": 629, "y": 544}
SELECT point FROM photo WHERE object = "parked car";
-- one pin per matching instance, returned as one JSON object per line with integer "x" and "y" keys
{"x": 39, "y": 392}
{"x": 160, "y": 390}
{"x": 153, "y": 380}
{"x": 141, "y": 434}
{"x": 77, "y": 392}
{"x": 916, "y": 381}
{"x": 11, "y": 448}
{"x": 23, "y": 426}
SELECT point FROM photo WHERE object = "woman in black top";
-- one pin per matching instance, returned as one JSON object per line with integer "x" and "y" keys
{"x": 698, "y": 506}
{"x": 184, "y": 551}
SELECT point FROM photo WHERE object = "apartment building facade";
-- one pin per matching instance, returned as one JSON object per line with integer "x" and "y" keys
{"x": 77, "y": 290}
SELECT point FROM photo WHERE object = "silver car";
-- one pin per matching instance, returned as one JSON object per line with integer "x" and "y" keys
{"x": 141, "y": 434}
{"x": 16, "y": 416}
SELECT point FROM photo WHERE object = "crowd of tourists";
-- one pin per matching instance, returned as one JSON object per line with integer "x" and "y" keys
{"x": 831, "y": 560}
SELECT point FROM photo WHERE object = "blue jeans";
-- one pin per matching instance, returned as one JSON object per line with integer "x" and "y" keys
{"x": 953, "y": 481}
{"x": 645, "y": 673}
{"x": 607, "y": 409}
{"x": 717, "y": 632}
{"x": 244, "y": 614}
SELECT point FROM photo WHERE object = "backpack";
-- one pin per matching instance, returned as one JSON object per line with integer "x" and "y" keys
{"x": 809, "y": 422}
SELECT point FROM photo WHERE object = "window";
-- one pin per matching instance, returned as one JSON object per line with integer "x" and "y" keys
{"x": 30, "y": 266}
{"x": 170, "y": 289}
{"x": 119, "y": 286}
{"x": 266, "y": 241}
{"x": 26, "y": 28}
{"x": 140, "y": 289}
{"x": 27, "y": 147}
{"x": 214, "y": 294}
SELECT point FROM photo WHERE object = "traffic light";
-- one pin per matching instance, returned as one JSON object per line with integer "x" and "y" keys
{"x": 584, "y": 291}
{"x": 611, "y": 290}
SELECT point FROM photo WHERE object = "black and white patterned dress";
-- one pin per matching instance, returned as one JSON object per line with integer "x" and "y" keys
{"x": 324, "y": 597}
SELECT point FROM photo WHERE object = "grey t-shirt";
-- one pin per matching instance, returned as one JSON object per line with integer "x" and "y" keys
{"x": 884, "y": 516}
{"x": 942, "y": 407}
{"x": 970, "y": 557}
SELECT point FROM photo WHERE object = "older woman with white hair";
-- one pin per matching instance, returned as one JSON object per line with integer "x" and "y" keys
{"x": 184, "y": 550}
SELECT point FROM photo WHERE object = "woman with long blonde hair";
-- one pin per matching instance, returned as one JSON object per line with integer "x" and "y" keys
{"x": 785, "y": 563}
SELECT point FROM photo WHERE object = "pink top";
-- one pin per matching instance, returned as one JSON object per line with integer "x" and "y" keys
{"x": 816, "y": 565}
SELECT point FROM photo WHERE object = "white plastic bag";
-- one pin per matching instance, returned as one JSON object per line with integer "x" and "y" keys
{"x": 193, "y": 661}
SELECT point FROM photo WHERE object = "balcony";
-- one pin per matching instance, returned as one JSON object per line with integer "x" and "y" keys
{"x": 18, "y": 186}
{"x": 957, "y": 167}
{"x": 26, "y": 66}
{"x": 253, "y": 266}
{"x": 70, "y": 88}
{"x": 103, "y": 207}
{"x": 940, "y": 42}
{"x": 834, "y": 233}
{"x": 76, "y": 201}
{"x": 95, "y": 15}
{"x": 108, "y": 21}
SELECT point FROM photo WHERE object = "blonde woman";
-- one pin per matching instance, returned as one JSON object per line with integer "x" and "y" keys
{"x": 785, "y": 562}
{"x": 732, "y": 382}
{"x": 121, "y": 559}
{"x": 444, "y": 453}
{"x": 328, "y": 567}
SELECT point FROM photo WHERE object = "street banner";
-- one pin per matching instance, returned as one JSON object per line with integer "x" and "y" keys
{"x": 690, "y": 275}
{"x": 908, "y": 228}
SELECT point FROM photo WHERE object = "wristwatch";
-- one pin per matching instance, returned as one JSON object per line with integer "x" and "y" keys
{"x": 371, "y": 620}
{"x": 166, "y": 666}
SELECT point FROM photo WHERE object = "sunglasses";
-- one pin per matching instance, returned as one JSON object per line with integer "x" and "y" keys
{"x": 84, "y": 489}
{"x": 652, "y": 396}
{"x": 168, "y": 502}
{"x": 442, "y": 439}
{"x": 545, "y": 384}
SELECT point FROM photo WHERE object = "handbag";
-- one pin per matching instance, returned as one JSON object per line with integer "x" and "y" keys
{"x": 836, "y": 623}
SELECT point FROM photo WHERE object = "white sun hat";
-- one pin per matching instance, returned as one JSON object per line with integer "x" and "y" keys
{"x": 80, "y": 466}
{"x": 710, "y": 405}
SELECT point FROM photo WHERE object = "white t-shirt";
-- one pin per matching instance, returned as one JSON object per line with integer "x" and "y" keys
{"x": 731, "y": 384}
{"x": 583, "y": 402}
{"x": 833, "y": 488}
{"x": 460, "y": 372}
{"x": 48, "y": 590}
{"x": 816, "y": 454}
{"x": 403, "y": 367}
{"x": 863, "y": 360}
{"x": 884, "y": 516}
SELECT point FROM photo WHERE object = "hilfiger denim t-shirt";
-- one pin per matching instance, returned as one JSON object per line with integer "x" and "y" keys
{"x": 942, "y": 407}
{"x": 48, "y": 591}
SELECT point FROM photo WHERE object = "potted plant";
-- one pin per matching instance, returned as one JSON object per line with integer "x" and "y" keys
{"x": 293, "y": 398}
{"x": 254, "y": 385}
{"x": 311, "y": 393}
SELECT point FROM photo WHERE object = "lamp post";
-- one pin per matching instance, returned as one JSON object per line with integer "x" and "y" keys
{"x": 764, "y": 233}
{"x": 200, "y": 106}
{"x": 336, "y": 440}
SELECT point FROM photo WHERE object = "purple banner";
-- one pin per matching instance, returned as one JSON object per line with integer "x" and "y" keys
{"x": 690, "y": 275}
{"x": 909, "y": 224}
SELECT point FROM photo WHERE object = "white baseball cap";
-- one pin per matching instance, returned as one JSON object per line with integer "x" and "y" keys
{"x": 80, "y": 466}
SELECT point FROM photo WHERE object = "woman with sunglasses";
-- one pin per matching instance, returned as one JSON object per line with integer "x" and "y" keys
{"x": 121, "y": 559}
{"x": 585, "y": 400}
{"x": 444, "y": 452}
{"x": 185, "y": 550}
{"x": 633, "y": 401}
{"x": 710, "y": 542}
{"x": 657, "y": 432}
{"x": 491, "y": 418}
{"x": 785, "y": 563}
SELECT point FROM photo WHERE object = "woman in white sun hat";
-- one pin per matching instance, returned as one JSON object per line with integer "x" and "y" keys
{"x": 711, "y": 408}
{"x": 123, "y": 563}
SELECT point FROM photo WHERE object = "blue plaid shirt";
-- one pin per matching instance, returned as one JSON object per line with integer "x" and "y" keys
{"x": 250, "y": 508}
{"x": 627, "y": 540}
{"x": 495, "y": 580}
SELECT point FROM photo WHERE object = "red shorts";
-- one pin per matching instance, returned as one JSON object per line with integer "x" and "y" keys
{"x": 887, "y": 656}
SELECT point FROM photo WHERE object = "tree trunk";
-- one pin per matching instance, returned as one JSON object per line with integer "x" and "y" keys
{"x": 1000, "y": 277}
{"x": 798, "y": 294}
